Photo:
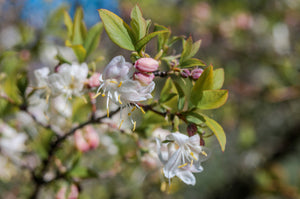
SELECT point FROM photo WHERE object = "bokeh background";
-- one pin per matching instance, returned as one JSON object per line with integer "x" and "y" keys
{"x": 257, "y": 42}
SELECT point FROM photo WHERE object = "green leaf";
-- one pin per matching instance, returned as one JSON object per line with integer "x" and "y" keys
{"x": 69, "y": 24}
{"x": 195, "y": 118}
{"x": 162, "y": 39}
{"x": 118, "y": 31}
{"x": 83, "y": 30}
{"x": 142, "y": 42}
{"x": 138, "y": 23}
{"x": 166, "y": 93}
{"x": 82, "y": 172}
{"x": 212, "y": 99}
{"x": 77, "y": 34}
{"x": 181, "y": 95}
{"x": 189, "y": 49}
{"x": 192, "y": 62}
{"x": 205, "y": 82}
{"x": 93, "y": 38}
{"x": 80, "y": 52}
{"x": 217, "y": 130}
{"x": 218, "y": 78}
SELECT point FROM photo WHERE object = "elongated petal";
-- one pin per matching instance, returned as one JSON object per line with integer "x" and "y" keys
{"x": 186, "y": 176}
{"x": 179, "y": 138}
{"x": 117, "y": 68}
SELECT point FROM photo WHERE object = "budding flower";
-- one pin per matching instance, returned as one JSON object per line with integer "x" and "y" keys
{"x": 192, "y": 129}
{"x": 93, "y": 81}
{"x": 80, "y": 143}
{"x": 146, "y": 64}
{"x": 196, "y": 73}
{"x": 91, "y": 137}
{"x": 185, "y": 73}
{"x": 143, "y": 78}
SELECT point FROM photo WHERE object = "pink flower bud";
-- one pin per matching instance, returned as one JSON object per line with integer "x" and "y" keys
{"x": 143, "y": 78}
{"x": 80, "y": 143}
{"x": 146, "y": 64}
{"x": 61, "y": 194}
{"x": 74, "y": 193}
{"x": 93, "y": 81}
{"x": 185, "y": 73}
{"x": 91, "y": 137}
{"x": 192, "y": 129}
{"x": 196, "y": 73}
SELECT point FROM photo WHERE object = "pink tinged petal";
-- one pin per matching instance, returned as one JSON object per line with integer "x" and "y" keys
{"x": 74, "y": 193}
{"x": 146, "y": 65}
{"x": 93, "y": 81}
{"x": 196, "y": 73}
{"x": 143, "y": 78}
{"x": 117, "y": 69}
{"x": 61, "y": 194}
{"x": 186, "y": 176}
{"x": 185, "y": 73}
{"x": 80, "y": 143}
{"x": 91, "y": 137}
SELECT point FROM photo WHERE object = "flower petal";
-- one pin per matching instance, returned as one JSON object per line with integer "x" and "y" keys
{"x": 186, "y": 176}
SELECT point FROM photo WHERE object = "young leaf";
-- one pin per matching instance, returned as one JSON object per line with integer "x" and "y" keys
{"x": 205, "y": 82}
{"x": 192, "y": 62}
{"x": 167, "y": 91}
{"x": 195, "y": 118}
{"x": 138, "y": 23}
{"x": 118, "y": 31}
{"x": 212, "y": 99}
{"x": 162, "y": 39}
{"x": 218, "y": 78}
{"x": 181, "y": 95}
{"x": 93, "y": 38}
{"x": 217, "y": 130}
{"x": 77, "y": 34}
{"x": 69, "y": 24}
{"x": 142, "y": 42}
{"x": 80, "y": 52}
{"x": 189, "y": 49}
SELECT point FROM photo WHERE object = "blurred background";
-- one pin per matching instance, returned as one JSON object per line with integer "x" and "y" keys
{"x": 257, "y": 42}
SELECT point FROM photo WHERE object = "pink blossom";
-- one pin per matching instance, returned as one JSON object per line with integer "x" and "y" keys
{"x": 143, "y": 78}
{"x": 146, "y": 64}
{"x": 80, "y": 143}
{"x": 93, "y": 81}
{"x": 92, "y": 137}
{"x": 196, "y": 73}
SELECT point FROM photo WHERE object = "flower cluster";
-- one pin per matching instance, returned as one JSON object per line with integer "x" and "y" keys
{"x": 119, "y": 86}
{"x": 181, "y": 156}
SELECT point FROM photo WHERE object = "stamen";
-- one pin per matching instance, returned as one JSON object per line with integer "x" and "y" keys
{"x": 119, "y": 99}
{"x": 47, "y": 98}
{"x": 192, "y": 161}
{"x": 142, "y": 110}
{"x": 46, "y": 116}
{"x": 113, "y": 81}
{"x": 103, "y": 95}
{"x": 129, "y": 114}
{"x": 120, "y": 84}
{"x": 121, "y": 124}
{"x": 107, "y": 112}
{"x": 133, "y": 109}
{"x": 192, "y": 154}
{"x": 204, "y": 153}
{"x": 95, "y": 96}
{"x": 134, "y": 125}
{"x": 183, "y": 165}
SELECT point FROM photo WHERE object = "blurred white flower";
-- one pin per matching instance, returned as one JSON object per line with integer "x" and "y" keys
{"x": 181, "y": 156}
{"x": 69, "y": 80}
{"x": 117, "y": 85}
{"x": 12, "y": 143}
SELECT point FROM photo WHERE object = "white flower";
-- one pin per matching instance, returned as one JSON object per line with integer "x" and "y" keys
{"x": 181, "y": 156}
{"x": 117, "y": 84}
{"x": 69, "y": 80}
{"x": 11, "y": 142}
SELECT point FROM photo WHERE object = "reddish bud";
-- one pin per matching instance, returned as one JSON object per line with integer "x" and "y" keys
{"x": 91, "y": 137}
{"x": 202, "y": 142}
{"x": 143, "y": 78}
{"x": 93, "y": 81}
{"x": 196, "y": 73}
{"x": 146, "y": 64}
{"x": 80, "y": 143}
{"x": 192, "y": 129}
{"x": 185, "y": 73}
